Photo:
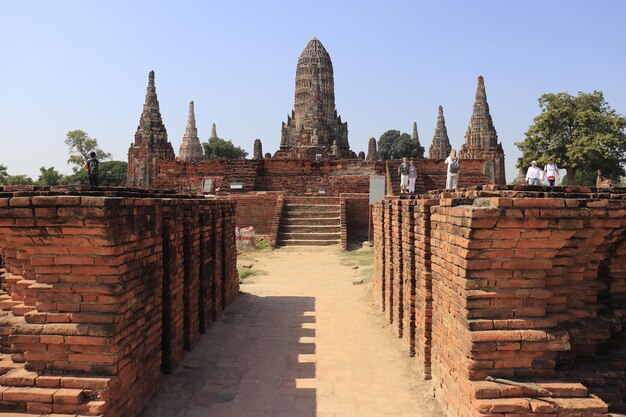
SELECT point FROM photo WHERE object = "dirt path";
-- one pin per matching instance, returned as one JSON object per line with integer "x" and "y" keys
{"x": 301, "y": 341}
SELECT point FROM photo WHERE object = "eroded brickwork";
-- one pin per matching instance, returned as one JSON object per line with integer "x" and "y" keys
{"x": 104, "y": 289}
{"x": 509, "y": 282}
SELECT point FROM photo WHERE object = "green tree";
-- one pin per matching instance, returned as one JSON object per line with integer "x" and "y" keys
{"x": 3, "y": 174}
{"x": 49, "y": 176}
{"x": 395, "y": 145}
{"x": 80, "y": 146}
{"x": 217, "y": 148}
{"x": 18, "y": 180}
{"x": 580, "y": 133}
{"x": 111, "y": 173}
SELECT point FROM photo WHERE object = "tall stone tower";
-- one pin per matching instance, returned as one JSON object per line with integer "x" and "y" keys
{"x": 481, "y": 139}
{"x": 414, "y": 135}
{"x": 440, "y": 148}
{"x": 151, "y": 144}
{"x": 191, "y": 148}
{"x": 314, "y": 125}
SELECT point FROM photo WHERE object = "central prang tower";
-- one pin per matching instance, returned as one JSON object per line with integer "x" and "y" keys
{"x": 314, "y": 126}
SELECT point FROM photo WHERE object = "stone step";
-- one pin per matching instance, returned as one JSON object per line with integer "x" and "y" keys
{"x": 309, "y": 228}
{"x": 487, "y": 389}
{"x": 21, "y": 309}
{"x": 523, "y": 405}
{"x": 52, "y": 400}
{"x": 309, "y": 242}
{"x": 7, "y": 305}
{"x": 309, "y": 236}
{"x": 311, "y": 221}
{"x": 310, "y": 214}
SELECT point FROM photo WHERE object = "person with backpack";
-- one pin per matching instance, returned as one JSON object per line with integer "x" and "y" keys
{"x": 452, "y": 177}
{"x": 92, "y": 167}
{"x": 403, "y": 170}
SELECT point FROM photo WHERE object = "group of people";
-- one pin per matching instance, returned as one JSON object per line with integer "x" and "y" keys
{"x": 408, "y": 173}
{"x": 535, "y": 175}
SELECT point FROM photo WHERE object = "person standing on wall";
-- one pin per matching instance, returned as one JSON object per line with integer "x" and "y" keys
{"x": 412, "y": 176}
{"x": 403, "y": 170}
{"x": 452, "y": 177}
{"x": 534, "y": 174}
{"x": 551, "y": 172}
{"x": 92, "y": 167}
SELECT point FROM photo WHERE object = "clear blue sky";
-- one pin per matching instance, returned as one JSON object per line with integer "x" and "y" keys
{"x": 84, "y": 65}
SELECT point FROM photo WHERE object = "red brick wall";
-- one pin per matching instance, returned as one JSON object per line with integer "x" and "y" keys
{"x": 256, "y": 209}
{"x": 113, "y": 285}
{"x": 357, "y": 215}
{"x": 505, "y": 282}
{"x": 434, "y": 173}
{"x": 294, "y": 177}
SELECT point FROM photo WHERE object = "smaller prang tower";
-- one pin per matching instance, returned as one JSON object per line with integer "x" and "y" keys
{"x": 151, "y": 144}
{"x": 481, "y": 139}
{"x": 191, "y": 148}
{"x": 440, "y": 148}
{"x": 314, "y": 126}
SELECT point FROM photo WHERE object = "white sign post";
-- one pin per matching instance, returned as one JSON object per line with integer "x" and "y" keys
{"x": 377, "y": 193}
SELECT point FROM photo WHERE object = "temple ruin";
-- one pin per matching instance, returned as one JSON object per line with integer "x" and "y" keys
{"x": 314, "y": 126}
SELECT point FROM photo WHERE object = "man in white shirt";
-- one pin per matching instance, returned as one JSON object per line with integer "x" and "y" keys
{"x": 551, "y": 172}
{"x": 452, "y": 172}
{"x": 534, "y": 174}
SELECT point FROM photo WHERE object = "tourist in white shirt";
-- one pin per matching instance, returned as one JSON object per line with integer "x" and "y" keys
{"x": 551, "y": 172}
{"x": 534, "y": 174}
{"x": 452, "y": 177}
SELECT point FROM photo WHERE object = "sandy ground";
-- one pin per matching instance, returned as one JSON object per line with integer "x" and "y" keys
{"x": 300, "y": 341}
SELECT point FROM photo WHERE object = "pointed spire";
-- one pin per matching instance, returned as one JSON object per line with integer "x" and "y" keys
{"x": 481, "y": 138}
{"x": 191, "y": 148}
{"x": 213, "y": 132}
{"x": 415, "y": 136}
{"x": 440, "y": 147}
{"x": 151, "y": 145}
{"x": 258, "y": 149}
{"x": 481, "y": 134}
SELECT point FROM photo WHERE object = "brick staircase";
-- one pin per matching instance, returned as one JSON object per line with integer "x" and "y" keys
{"x": 310, "y": 221}
{"x": 32, "y": 393}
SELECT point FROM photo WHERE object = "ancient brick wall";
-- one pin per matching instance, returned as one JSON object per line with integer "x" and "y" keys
{"x": 294, "y": 177}
{"x": 103, "y": 290}
{"x": 357, "y": 215}
{"x": 521, "y": 283}
{"x": 471, "y": 173}
{"x": 256, "y": 209}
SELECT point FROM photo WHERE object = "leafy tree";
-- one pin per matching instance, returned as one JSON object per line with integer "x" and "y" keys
{"x": 112, "y": 173}
{"x": 580, "y": 133}
{"x": 49, "y": 176}
{"x": 18, "y": 180}
{"x": 80, "y": 146}
{"x": 395, "y": 145}
{"x": 3, "y": 174}
{"x": 217, "y": 148}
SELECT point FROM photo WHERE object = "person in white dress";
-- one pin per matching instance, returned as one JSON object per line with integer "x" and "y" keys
{"x": 412, "y": 176}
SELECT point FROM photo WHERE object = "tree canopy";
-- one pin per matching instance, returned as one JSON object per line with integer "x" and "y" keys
{"x": 111, "y": 173}
{"x": 580, "y": 133}
{"x": 18, "y": 180}
{"x": 218, "y": 148}
{"x": 395, "y": 145}
{"x": 49, "y": 176}
{"x": 80, "y": 146}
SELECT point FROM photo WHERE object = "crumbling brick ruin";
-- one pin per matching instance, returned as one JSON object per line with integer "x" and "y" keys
{"x": 102, "y": 291}
{"x": 525, "y": 284}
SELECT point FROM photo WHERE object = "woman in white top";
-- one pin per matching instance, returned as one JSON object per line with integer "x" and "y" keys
{"x": 452, "y": 177}
{"x": 551, "y": 172}
{"x": 534, "y": 174}
{"x": 412, "y": 176}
